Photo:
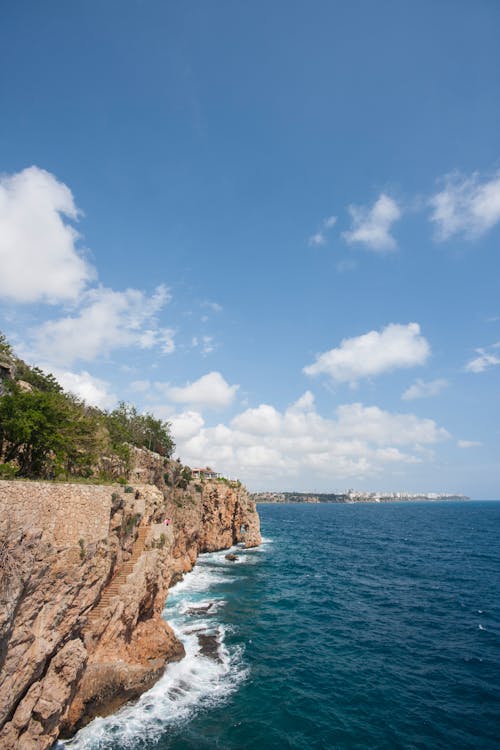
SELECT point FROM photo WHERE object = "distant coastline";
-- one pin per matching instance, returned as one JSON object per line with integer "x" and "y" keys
{"x": 352, "y": 496}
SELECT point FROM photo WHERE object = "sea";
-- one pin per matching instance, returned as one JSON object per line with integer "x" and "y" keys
{"x": 356, "y": 627}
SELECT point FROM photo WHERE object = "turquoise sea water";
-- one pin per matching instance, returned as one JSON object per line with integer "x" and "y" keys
{"x": 352, "y": 627}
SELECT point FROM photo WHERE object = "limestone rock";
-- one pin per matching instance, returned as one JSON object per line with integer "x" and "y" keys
{"x": 81, "y": 630}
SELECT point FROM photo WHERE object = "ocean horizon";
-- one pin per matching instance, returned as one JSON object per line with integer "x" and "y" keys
{"x": 353, "y": 626}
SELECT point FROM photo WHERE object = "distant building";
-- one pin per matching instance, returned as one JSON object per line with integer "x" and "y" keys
{"x": 205, "y": 473}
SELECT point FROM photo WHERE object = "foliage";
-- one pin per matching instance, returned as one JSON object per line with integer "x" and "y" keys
{"x": 46, "y": 433}
{"x": 5, "y": 347}
{"x": 128, "y": 489}
{"x": 126, "y": 425}
{"x": 129, "y": 523}
{"x": 8, "y": 470}
{"x": 40, "y": 380}
{"x": 50, "y": 434}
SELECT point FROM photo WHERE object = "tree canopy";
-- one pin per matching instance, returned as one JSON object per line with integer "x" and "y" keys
{"x": 46, "y": 432}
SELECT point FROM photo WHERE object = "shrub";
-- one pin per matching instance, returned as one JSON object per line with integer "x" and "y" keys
{"x": 128, "y": 489}
{"x": 8, "y": 470}
{"x": 128, "y": 524}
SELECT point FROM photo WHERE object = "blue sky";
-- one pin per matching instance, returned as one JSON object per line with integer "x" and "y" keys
{"x": 276, "y": 225}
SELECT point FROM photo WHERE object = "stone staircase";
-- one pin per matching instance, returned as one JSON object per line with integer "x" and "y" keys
{"x": 112, "y": 590}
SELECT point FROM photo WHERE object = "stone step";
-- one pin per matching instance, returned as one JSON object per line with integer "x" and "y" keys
{"x": 113, "y": 589}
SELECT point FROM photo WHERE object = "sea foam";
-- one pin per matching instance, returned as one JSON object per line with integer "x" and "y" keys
{"x": 202, "y": 679}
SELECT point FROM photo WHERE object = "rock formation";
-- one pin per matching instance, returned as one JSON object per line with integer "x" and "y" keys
{"x": 81, "y": 630}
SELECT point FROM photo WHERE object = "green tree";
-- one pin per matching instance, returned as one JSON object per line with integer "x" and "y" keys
{"x": 5, "y": 347}
{"x": 46, "y": 433}
{"x": 126, "y": 425}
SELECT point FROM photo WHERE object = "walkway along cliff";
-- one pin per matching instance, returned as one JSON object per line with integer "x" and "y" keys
{"x": 85, "y": 571}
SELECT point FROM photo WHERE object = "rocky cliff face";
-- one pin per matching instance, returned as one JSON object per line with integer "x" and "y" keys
{"x": 81, "y": 630}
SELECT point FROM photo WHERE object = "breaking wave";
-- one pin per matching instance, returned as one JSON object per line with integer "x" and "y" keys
{"x": 210, "y": 671}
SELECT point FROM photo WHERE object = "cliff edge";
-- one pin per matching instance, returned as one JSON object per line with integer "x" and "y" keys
{"x": 84, "y": 575}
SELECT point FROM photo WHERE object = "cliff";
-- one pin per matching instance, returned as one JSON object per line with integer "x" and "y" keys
{"x": 84, "y": 575}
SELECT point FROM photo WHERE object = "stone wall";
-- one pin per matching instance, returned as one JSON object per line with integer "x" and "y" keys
{"x": 64, "y": 513}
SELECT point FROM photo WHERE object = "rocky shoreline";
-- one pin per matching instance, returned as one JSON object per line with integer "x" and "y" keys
{"x": 81, "y": 630}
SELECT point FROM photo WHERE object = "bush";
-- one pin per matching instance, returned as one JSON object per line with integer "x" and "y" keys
{"x": 128, "y": 489}
{"x": 128, "y": 524}
{"x": 198, "y": 488}
{"x": 8, "y": 470}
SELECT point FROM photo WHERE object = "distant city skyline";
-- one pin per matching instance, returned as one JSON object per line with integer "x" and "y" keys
{"x": 276, "y": 227}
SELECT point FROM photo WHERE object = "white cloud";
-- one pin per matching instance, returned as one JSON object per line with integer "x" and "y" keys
{"x": 211, "y": 390}
{"x": 264, "y": 420}
{"x": 466, "y": 206}
{"x": 373, "y": 353}
{"x": 186, "y": 425}
{"x": 214, "y": 306}
{"x": 487, "y": 358}
{"x": 372, "y": 226}
{"x": 206, "y": 343}
{"x": 263, "y": 445}
{"x": 468, "y": 443}
{"x": 329, "y": 222}
{"x": 319, "y": 237}
{"x": 420, "y": 389}
{"x": 92, "y": 390}
{"x": 107, "y": 320}
{"x": 38, "y": 254}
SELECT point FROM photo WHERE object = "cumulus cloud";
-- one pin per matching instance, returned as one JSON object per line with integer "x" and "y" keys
{"x": 92, "y": 390}
{"x": 319, "y": 237}
{"x": 420, "y": 389}
{"x": 38, "y": 255}
{"x": 395, "y": 346}
{"x": 372, "y": 226}
{"x": 186, "y": 425}
{"x": 487, "y": 357}
{"x": 263, "y": 445}
{"x": 466, "y": 205}
{"x": 211, "y": 390}
{"x": 107, "y": 320}
{"x": 468, "y": 443}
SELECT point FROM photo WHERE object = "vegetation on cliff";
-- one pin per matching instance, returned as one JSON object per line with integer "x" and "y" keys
{"x": 48, "y": 433}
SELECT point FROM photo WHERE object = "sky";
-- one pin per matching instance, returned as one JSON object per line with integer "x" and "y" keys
{"x": 274, "y": 225}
